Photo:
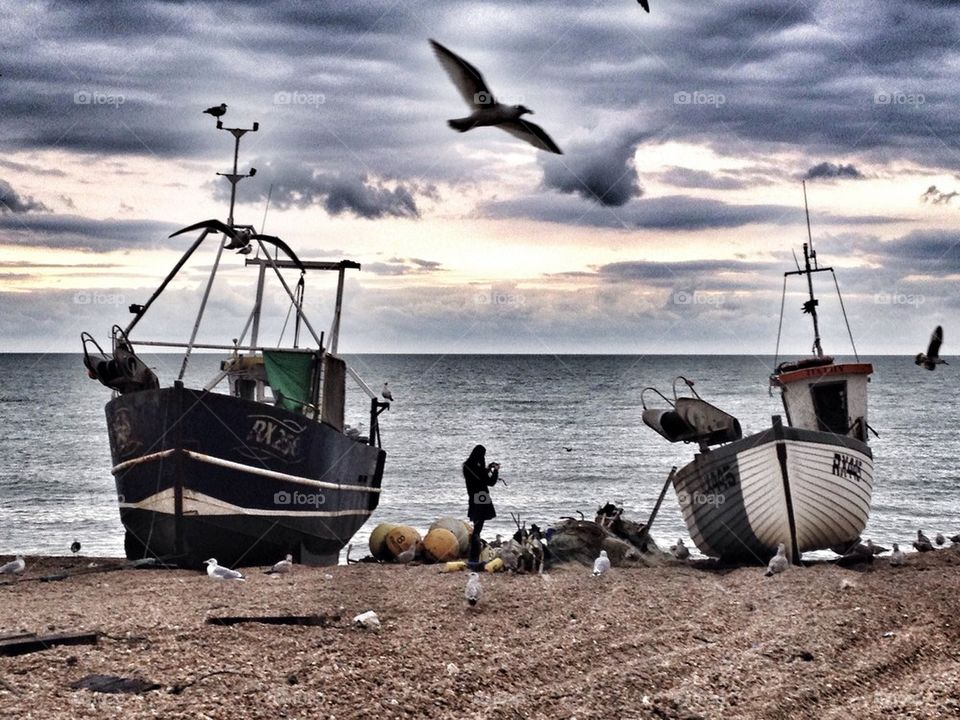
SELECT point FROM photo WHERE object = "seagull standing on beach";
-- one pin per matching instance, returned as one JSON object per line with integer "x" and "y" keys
{"x": 408, "y": 555}
{"x": 939, "y": 539}
{"x": 218, "y": 111}
{"x": 473, "y": 590}
{"x": 897, "y": 557}
{"x": 680, "y": 551}
{"x": 387, "y": 395}
{"x": 14, "y": 567}
{"x": 779, "y": 562}
{"x": 601, "y": 564}
{"x": 922, "y": 543}
{"x": 284, "y": 566}
{"x": 218, "y": 572}
{"x": 75, "y": 546}
{"x": 511, "y": 560}
{"x": 932, "y": 358}
{"x": 486, "y": 109}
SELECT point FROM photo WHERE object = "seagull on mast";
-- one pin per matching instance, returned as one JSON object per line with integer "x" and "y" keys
{"x": 218, "y": 111}
{"x": 387, "y": 395}
{"x": 486, "y": 109}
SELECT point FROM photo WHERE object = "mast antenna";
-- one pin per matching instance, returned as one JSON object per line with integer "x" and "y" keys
{"x": 810, "y": 306}
{"x": 235, "y": 177}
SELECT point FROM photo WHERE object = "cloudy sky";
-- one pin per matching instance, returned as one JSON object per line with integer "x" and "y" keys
{"x": 665, "y": 226}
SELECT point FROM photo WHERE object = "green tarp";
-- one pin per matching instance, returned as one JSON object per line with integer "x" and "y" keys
{"x": 290, "y": 375}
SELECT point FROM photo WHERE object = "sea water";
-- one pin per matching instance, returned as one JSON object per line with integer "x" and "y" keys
{"x": 56, "y": 486}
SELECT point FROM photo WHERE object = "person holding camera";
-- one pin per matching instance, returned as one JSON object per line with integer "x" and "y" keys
{"x": 479, "y": 476}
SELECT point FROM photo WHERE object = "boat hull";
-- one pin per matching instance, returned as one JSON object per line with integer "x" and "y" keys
{"x": 807, "y": 489}
{"x": 202, "y": 474}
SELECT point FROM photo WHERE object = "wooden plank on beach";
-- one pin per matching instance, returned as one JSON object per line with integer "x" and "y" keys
{"x": 33, "y": 643}
{"x": 310, "y": 620}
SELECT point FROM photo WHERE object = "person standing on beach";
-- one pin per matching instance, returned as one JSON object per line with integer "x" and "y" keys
{"x": 479, "y": 476}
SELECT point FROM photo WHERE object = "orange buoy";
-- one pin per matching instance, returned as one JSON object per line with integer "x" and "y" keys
{"x": 401, "y": 538}
{"x": 460, "y": 529}
{"x": 441, "y": 545}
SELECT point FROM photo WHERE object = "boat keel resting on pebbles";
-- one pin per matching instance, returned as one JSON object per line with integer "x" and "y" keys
{"x": 263, "y": 469}
{"x": 807, "y": 483}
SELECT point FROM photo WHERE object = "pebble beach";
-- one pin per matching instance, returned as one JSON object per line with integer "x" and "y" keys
{"x": 675, "y": 641}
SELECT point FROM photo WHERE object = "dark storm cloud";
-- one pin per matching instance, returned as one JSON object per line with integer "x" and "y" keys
{"x": 833, "y": 170}
{"x": 934, "y": 252}
{"x": 297, "y": 184}
{"x": 674, "y": 212}
{"x": 12, "y": 202}
{"x": 670, "y": 271}
{"x": 602, "y": 170}
{"x": 690, "y": 178}
{"x": 72, "y": 232}
{"x": 937, "y": 197}
{"x": 855, "y": 77}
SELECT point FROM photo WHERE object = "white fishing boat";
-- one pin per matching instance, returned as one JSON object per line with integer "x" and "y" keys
{"x": 806, "y": 483}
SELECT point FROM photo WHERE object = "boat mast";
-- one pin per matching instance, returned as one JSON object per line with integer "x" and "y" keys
{"x": 234, "y": 178}
{"x": 810, "y": 306}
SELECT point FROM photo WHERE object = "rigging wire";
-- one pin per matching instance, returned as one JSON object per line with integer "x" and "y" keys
{"x": 845, "y": 320}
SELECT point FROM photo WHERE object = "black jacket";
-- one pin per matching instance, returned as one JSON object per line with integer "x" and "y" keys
{"x": 479, "y": 479}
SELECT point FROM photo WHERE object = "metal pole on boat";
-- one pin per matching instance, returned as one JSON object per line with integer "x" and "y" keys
{"x": 255, "y": 331}
{"x": 203, "y": 306}
{"x": 808, "y": 253}
{"x": 335, "y": 329}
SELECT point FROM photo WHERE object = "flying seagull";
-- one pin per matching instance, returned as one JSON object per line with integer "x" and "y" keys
{"x": 218, "y": 111}
{"x": 601, "y": 564}
{"x": 240, "y": 238}
{"x": 486, "y": 109}
{"x": 387, "y": 395}
{"x": 932, "y": 358}
{"x": 218, "y": 572}
{"x": 14, "y": 567}
{"x": 779, "y": 562}
{"x": 75, "y": 547}
{"x": 473, "y": 591}
{"x": 284, "y": 566}
{"x": 644, "y": 4}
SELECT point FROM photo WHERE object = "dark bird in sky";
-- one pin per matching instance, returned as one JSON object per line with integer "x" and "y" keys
{"x": 75, "y": 547}
{"x": 486, "y": 109}
{"x": 932, "y": 358}
{"x": 644, "y": 4}
{"x": 240, "y": 238}
{"x": 568, "y": 449}
{"x": 218, "y": 111}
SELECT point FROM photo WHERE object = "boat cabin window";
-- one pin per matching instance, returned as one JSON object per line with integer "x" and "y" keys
{"x": 830, "y": 406}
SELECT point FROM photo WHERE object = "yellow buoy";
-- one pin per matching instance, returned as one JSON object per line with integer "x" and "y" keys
{"x": 459, "y": 528}
{"x": 401, "y": 538}
{"x": 378, "y": 541}
{"x": 441, "y": 545}
{"x": 495, "y": 565}
{"x": 454, "y": 566}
